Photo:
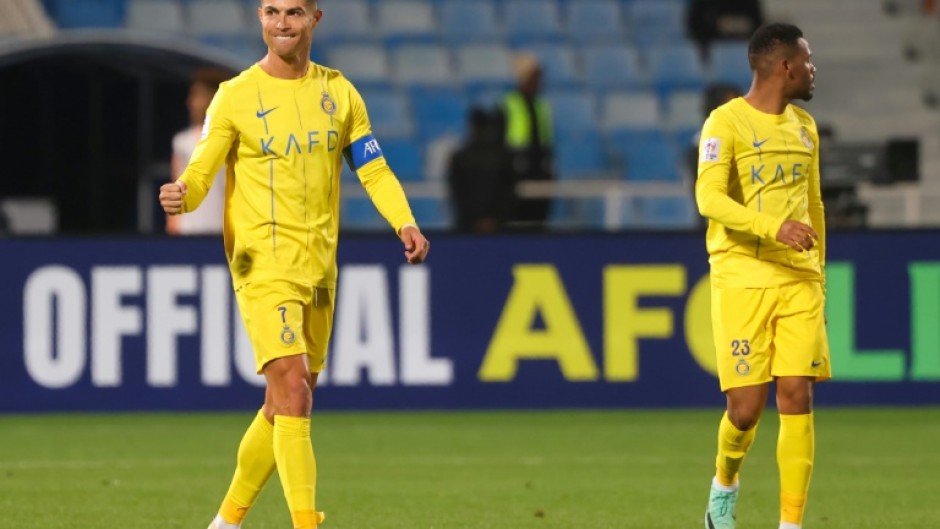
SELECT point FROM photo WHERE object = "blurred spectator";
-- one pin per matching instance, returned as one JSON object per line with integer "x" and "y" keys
{"x": 716, "y": 94}
{"x": 481, "y": 178}
{"x": 207, "y": 219}
{"x": 709, "y": 20}
{"x": 529, "y": 138}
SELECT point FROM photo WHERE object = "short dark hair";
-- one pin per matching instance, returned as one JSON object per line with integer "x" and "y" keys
{"x": 767, "y": 38}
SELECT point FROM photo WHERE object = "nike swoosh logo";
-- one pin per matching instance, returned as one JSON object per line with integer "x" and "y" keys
{"x": 757, "y": 144}
{"x": 262, "y": 114}
{"x": 817, "y": 364}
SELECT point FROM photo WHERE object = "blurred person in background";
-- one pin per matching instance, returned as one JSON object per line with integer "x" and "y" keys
{"x": 480, "y": 176}
{"x": 529, "y": 138}
{"x": 759, "y": 186}
{"x": 284, "y": 126}
{"x": 207, "y": 220}
{"x": 711, "y": 20}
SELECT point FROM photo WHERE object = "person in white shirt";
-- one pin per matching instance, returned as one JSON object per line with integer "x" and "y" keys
{"x": 207, "y": 220}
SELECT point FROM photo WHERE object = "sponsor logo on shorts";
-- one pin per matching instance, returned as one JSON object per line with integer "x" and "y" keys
{"x": 816, "y": 363}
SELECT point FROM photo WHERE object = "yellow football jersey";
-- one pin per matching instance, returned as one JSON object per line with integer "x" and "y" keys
{"x": 284, "y": 142}
{"x": 755, "y": 171}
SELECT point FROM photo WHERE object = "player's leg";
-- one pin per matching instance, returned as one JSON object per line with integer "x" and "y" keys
{"x": 292, "y": 380}
{"x": 742, "y": 330}
{"x": 802, "y": 360}
{"x": 795, "y": 447}
{"x": 291, "y": 386}
{"x": 255, "y": 457}
{"x": 254, "y": 466}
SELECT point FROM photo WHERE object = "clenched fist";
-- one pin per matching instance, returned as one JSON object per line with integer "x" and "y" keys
{"x": 171, "y": 197}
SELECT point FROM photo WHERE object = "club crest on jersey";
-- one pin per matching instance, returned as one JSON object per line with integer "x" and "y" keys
{"x": 710, "y": 149}
{"x": 807, "y": 139}
{"x": 327, "y": 104}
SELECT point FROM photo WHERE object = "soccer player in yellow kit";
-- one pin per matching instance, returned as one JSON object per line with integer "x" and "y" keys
{"x": 283, "y": 127}
{"x": 758, "y": 185}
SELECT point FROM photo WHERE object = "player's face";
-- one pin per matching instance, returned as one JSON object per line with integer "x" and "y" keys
{"x": 802, "y": 72}
{"x": 287, "y": 26}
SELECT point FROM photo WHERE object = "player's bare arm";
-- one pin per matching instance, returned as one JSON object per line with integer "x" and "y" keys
{"x": 796, "y": 235}
{"x": 171, "y": 197}
{"x": 416, "y": 245}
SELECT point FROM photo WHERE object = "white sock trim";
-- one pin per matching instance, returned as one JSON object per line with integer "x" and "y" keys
{"x": 724, "y": 488}
{"x": 788, "y": 525}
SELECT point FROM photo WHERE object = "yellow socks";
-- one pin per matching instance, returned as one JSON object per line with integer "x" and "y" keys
{"x": 733, "y": 445}
{"x": 297, "y": 468}
{"x": 255, "y": 463}
{"x": 795, "y": 452}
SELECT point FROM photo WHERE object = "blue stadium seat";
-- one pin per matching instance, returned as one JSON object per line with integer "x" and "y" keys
{"x": 70, "y": 14}
{"x": 389, "y": 114}
{"x": 558, "y": 64}
{"x": 614, "y": 67}
{"x": 574, "y": 112}
{"x": 248, "y": 48}
{"x": 469, "y": 21}
{"x": 684, "y": 117}
{"x": 656, "y": 21}
{"x": 529, "y": 21}
{"x": 439, "y": 112}
{"x": 345, "y": 21}
{"x": 431, "y": 213}
{"x": 155, "y": 15}
{"x": 728, "y": 64}
{"x": 665, "y": 213}
{"x": 366, "y": 65}
{"x": 358, "y": 213}
{"x": 405, "y": 158}
{"x": 646, "y": 159}
{"x": 406, "y": 22}
{"x": 595, "y": 21}
{"x": 577, "y": 213}
{"x": 632, "y": 111}
{"x": 675, "y": 67}
{"x": 580, "y": 156}
{"x": 219, "y": 18}
{"x": 484, "y": 66}
{"x": 422, "y": 65}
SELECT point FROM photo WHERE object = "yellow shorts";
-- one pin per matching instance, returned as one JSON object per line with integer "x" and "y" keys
{"x": 763, "y": 333}
{"x": 285, "y": 319}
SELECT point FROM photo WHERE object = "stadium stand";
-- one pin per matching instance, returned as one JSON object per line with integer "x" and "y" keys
{"x": 624, "y": 81}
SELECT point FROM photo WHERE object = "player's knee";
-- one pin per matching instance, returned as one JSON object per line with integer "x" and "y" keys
{"x": 794, "y": 399}
{"x": 744, "y": 420}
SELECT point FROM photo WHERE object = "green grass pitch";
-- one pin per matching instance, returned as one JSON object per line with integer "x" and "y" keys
{"x": 875, "y": 468}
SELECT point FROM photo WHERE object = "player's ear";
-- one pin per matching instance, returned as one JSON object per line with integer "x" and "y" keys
{"x": 787, "y": 67}
{"x": 317, "y": 15}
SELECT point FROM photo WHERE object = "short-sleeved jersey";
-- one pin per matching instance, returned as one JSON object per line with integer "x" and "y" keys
{"x": 756, "y": 171}
{"x": 284, "y": 141}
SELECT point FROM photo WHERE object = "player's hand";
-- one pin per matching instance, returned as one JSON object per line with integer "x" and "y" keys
{"x": 797, "y": 235}
{"x": 171, "y": 197}
{"x": 416, "y": 246}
